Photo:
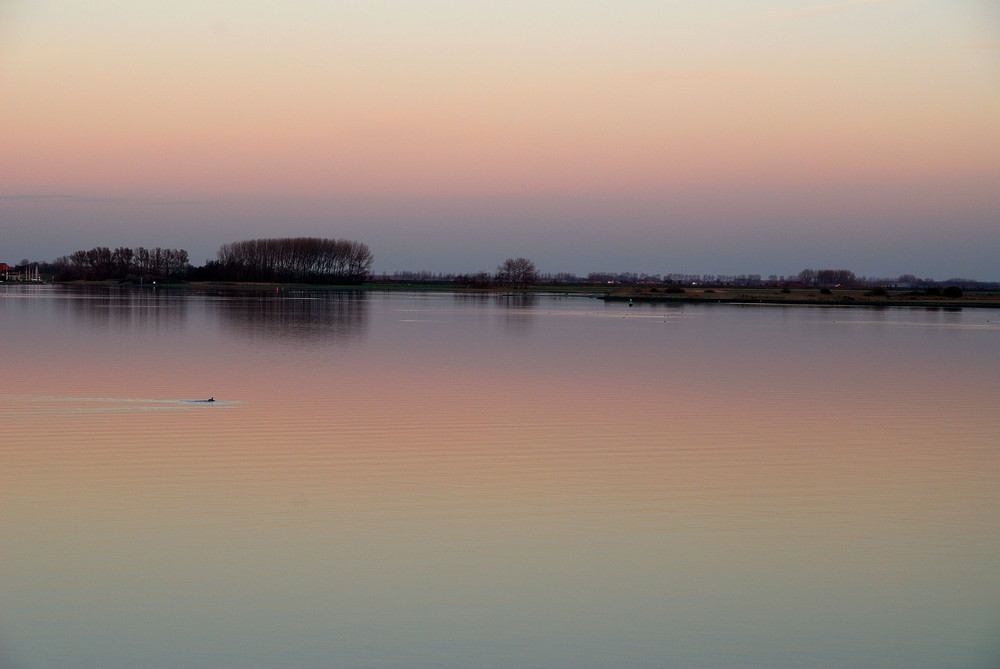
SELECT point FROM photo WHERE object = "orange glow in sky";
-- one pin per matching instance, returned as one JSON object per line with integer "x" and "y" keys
{"x": 312, "y": 103}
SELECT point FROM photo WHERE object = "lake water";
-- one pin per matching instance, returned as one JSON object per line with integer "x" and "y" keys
{"x": 443, "y": 480}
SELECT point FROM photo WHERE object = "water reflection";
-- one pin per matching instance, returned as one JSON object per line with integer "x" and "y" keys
{"x": 517, "y": 311}
{"x": 301, "y": 317}
{"x": 479, "y": 299}
{"x": 116, "y": 308}
{"x": 495, "y": 482}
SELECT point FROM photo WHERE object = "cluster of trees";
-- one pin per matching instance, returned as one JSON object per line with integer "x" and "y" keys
{"x": 827, "y": 277}
{"x": 294, "y": 259}
{"x": 102, "y": 263}
{"x": 299, "y": 259}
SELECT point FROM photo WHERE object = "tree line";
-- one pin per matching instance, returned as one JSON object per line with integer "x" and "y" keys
{"x": 288, "y": 259}
{"x": 293, "y": 259}
{"x": 339, "y": 261}
{"x": 102, "y": 263}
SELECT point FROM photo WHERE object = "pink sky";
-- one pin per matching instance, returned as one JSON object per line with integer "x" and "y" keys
{"x": 691, "y": 137}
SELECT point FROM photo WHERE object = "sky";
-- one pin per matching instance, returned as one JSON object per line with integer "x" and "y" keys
{"x": 666, "y": 136}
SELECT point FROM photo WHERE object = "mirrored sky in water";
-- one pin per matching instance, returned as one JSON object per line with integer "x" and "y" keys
{"x": 433, "y": 480}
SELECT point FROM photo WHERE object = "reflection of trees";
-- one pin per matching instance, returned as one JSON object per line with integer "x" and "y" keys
{"x": 502, "y": 300}
{"x": 472, "y": 299}
{"x": 336, "y": 316}
{"x": 305, "y": 317}
{"x": 517, "y": 300}
{"x": 118, "y": 308}
{"x": 518, "y": 311}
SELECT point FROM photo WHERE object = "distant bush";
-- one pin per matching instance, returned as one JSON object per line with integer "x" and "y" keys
{"x": 933, "y": 291}
{"x": 673, "y": 289}
{"x": 878, "y": 291}
{"x": 825, "y": 291}
{"x": 952, "y": 291}
{"x": 786, "y": 290}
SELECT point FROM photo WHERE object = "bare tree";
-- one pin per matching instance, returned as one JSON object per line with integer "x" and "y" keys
{"x": 517, "y": 272}
{"x": 142, "y": 263}
{"x": 121, "y": 258}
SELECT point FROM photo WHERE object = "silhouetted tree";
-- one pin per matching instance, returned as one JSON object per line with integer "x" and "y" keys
{"x": 517, "y": 272}
{"x": 121, "y": 258}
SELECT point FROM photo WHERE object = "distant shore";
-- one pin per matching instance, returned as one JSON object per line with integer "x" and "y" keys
{"x": 648, "y": 294}
{"x": 835, "y": 297}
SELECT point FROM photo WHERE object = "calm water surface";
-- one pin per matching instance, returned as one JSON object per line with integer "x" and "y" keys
{"x": 436, "y": 480}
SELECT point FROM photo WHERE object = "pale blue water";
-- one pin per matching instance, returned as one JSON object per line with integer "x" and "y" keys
{"x": 436, "y": 480}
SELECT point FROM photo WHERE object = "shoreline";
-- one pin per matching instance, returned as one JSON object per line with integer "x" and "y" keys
{"x": 808, "y": 296}
{"x": 836, "y": 297}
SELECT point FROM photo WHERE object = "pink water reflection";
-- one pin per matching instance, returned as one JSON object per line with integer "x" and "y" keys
{"x": 557, "y": 483}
